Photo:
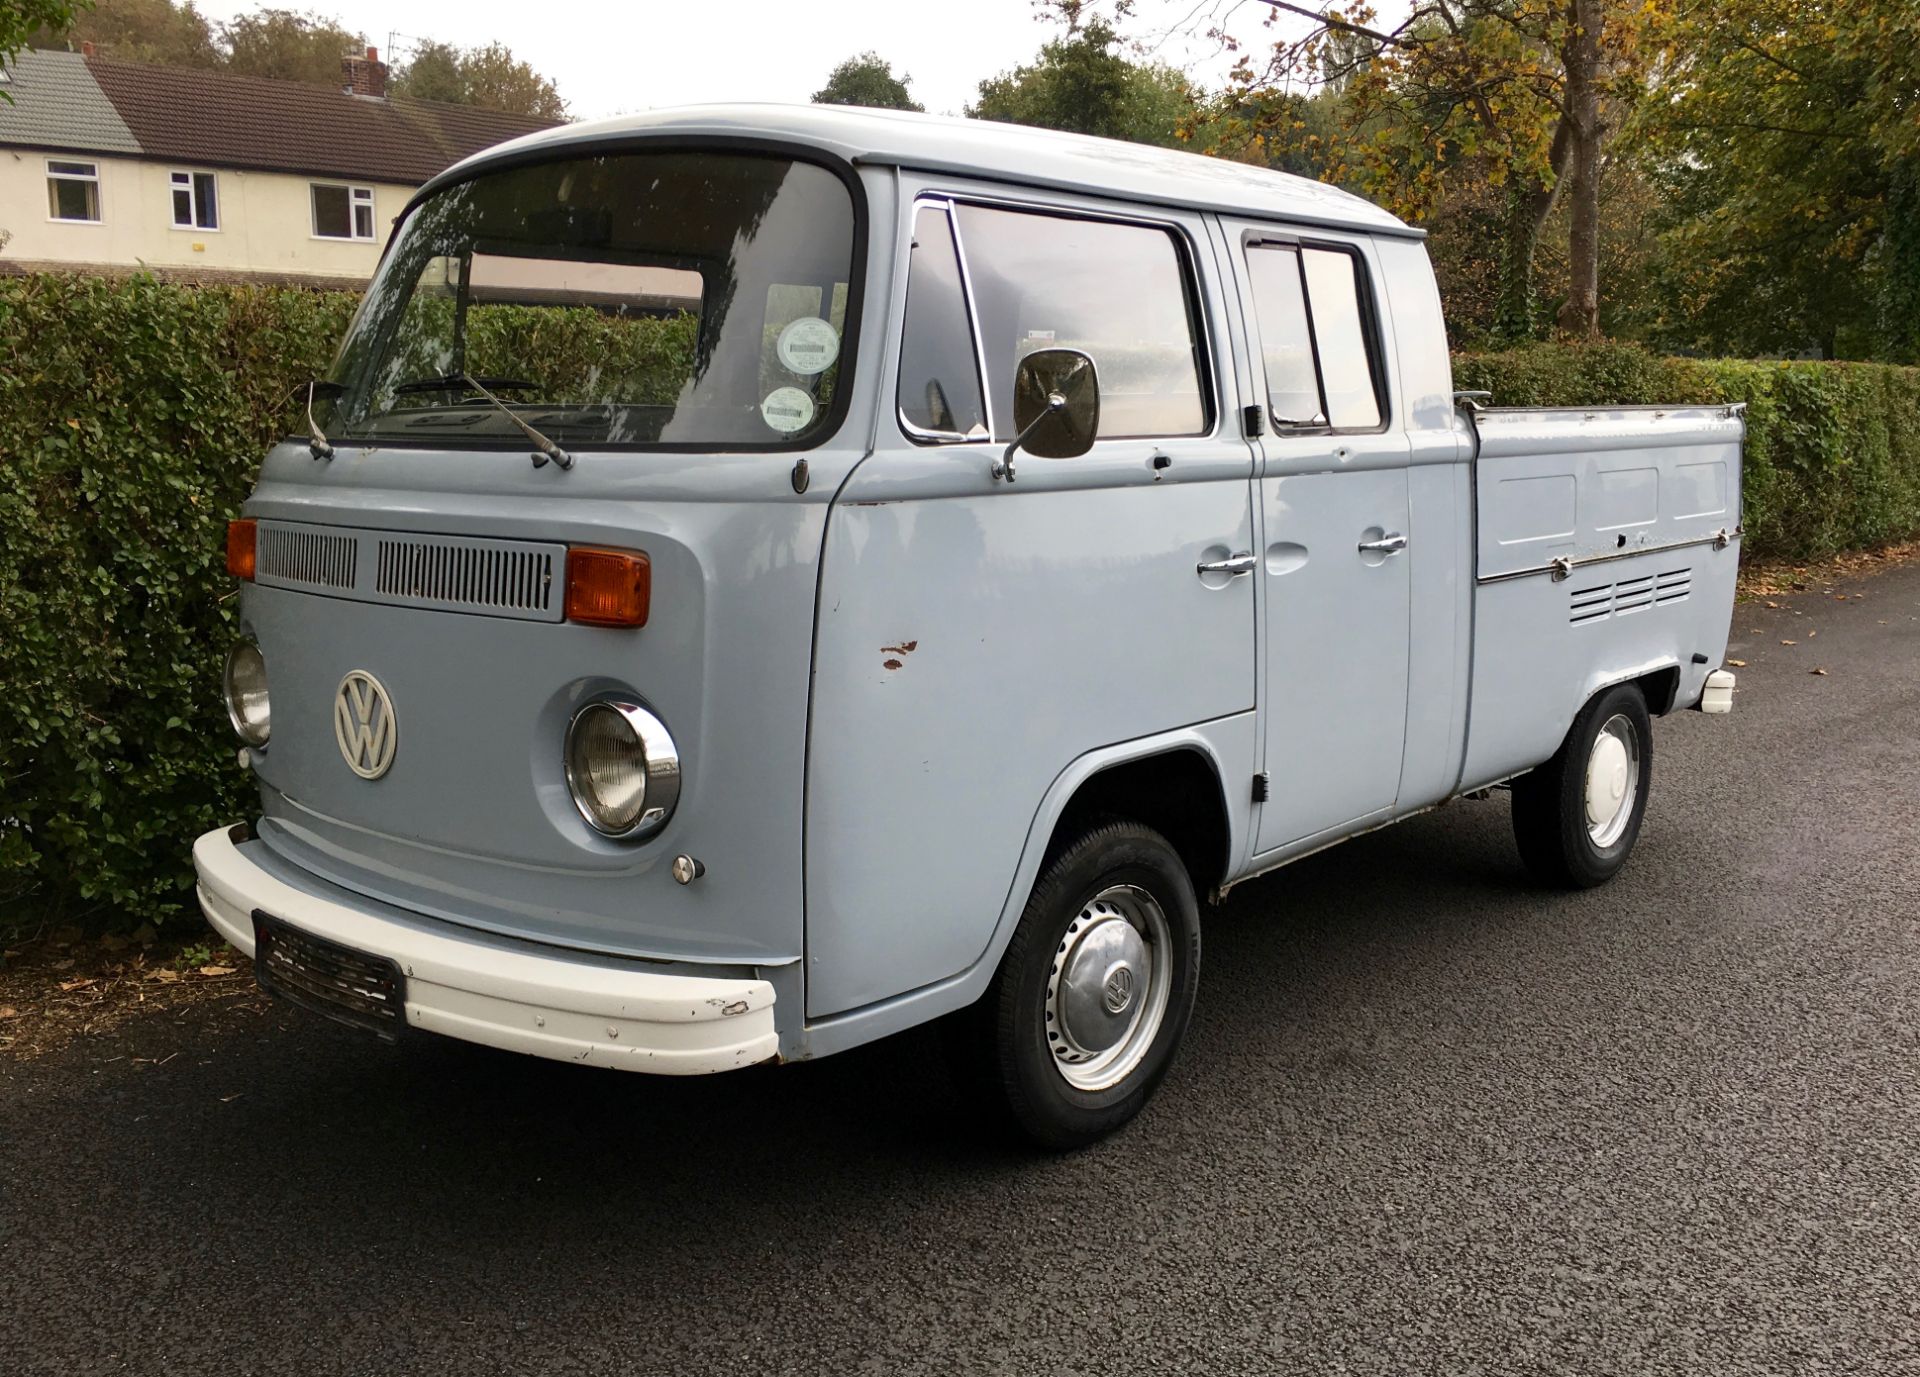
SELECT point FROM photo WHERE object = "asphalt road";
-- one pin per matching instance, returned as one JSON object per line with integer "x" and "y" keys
{"x": 1428, "y": 1120}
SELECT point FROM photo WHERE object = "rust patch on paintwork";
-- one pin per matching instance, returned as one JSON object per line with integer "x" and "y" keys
{"x": 735, "y": 1009}
{"x": 904, "y": 648}
{"x": 891, "y": 664}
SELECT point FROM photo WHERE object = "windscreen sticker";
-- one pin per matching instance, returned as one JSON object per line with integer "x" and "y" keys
{"x": 808, "y": 346}
{"x": 787, "y": 409}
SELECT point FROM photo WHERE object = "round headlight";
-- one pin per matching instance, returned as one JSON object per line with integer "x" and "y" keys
{"x": 246, "y": 684}
{"x": 622, "y": 769}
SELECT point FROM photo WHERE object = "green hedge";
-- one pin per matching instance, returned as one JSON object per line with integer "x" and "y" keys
{"x": 1833, "y": 449}
{"x": 132, "y": 418}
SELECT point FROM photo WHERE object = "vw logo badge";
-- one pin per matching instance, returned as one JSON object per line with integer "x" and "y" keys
{"x": 364, "y": 725}
{"x": 1119, "y": 989}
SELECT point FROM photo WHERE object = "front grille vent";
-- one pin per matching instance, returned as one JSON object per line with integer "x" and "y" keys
{"x": 473, "y": 574}
{"x": 302, "y": 554}
{"x": 465, "y": 574}
{"x": 1597, "y": 602}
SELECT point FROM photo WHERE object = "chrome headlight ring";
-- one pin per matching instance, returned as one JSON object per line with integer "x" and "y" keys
{"x": 244, "y": 681}
{"x": 622, "y": 768}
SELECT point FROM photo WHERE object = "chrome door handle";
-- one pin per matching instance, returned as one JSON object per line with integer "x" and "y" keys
{"x": 1391, "y": 544}
{"x": 1236, "y": 564}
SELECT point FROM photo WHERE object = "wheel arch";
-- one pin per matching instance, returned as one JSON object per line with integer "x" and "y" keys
{"x": 1658, "y": 681}
{"x": 1176, "y": 791}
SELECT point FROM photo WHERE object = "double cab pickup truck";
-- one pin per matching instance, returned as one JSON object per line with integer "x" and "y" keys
{"x": 756, "y": 579}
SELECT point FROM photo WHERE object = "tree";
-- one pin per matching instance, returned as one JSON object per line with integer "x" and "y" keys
{"x": 289, "y": 46}
{"x": 1529, "y": 90}
{"x": 1084, "y": 83}
{"x": 489, "y": 77}
{"x": 152, "y": 31}
{"x": 22, "y": 20}
{"x": 867, "y": 79}
{"x": 1790, "y": 139}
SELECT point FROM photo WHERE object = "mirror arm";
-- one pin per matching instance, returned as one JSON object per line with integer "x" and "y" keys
{"x": 1003, "y": 467}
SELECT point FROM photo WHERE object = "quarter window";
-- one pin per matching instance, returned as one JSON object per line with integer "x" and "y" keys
{"x": 194, "y": 205}
{"x": 1313, "y": 337}
{"x": 940, "y": 396}
{"x": 342, "y": 212}
{"x": 1116, "y": 291}
{"x": 73, "y": 190}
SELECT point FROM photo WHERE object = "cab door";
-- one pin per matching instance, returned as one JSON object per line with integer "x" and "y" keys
{"x": 1333, "y": 495}
{"x": 978, "y": 635}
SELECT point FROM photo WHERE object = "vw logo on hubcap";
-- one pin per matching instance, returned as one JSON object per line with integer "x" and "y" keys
{"x": 364, "y": 724}
{"x": 1118, "y": 992}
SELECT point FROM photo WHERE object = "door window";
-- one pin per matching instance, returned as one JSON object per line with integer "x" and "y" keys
{"x": 1119, "y": 292}
{"x": 1314, "y": 342}
{"x": 940, "y": 397}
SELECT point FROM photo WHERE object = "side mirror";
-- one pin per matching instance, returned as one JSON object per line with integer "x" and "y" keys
{"x": 1056, "y": 407}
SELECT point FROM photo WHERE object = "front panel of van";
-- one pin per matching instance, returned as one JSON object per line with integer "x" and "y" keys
{"x": 671, "y": 335}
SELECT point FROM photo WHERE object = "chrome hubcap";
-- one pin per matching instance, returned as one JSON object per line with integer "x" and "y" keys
{"x": 1613, "y": 780}
{"x": 1108, "y": 990}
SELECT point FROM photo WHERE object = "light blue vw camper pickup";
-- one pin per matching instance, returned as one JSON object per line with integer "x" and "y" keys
{"x": 756, "y": 579}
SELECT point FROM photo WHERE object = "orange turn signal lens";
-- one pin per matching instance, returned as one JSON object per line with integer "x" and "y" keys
{"x": 608, "y": 587}
{"x": 240, "y": 548}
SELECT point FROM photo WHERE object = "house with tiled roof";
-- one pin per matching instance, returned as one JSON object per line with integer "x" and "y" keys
{"x": 205, "y": 175}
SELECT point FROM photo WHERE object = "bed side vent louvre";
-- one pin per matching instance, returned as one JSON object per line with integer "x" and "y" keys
{"x": 1598, "y": 601}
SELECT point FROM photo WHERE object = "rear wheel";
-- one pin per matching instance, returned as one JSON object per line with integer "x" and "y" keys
{"x": 1087, "y": 1010}
{"x": 1577, "y": 817}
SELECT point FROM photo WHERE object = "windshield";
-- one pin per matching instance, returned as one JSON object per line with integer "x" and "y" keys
{"x": 675, "y": 299}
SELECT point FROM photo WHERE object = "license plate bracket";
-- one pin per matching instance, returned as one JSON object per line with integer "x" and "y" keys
{"x": 329, "y": 978}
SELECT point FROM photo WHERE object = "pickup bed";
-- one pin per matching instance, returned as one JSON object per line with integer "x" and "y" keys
{"x": 1600, "y": 555}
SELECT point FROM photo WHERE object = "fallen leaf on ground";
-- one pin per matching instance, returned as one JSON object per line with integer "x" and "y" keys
{"x": 1738, "y": 664}
{"x": 163, "y": 974}
{"x": 81, "y": 984}
{"x": 1789, "y": 643}
{"x": 1817, "y": 671}
{"x": 8, "y": 1011}
{"x": 216, "y": 970}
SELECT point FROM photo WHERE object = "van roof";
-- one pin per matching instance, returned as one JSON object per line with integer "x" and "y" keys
{"x": 985, "y": 149}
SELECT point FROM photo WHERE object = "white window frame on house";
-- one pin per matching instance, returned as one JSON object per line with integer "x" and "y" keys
{"x": 188, "y": 181}
{"x": 358, "y": 198}
{"x": 65, "y": 174}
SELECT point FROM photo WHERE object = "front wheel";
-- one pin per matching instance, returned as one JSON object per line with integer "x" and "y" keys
{"x": 1091, "y": 1000}
{"x": 1577, "y": 816}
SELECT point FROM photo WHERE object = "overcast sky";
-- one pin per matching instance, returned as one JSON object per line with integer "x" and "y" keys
{"x": 613, "y": 58}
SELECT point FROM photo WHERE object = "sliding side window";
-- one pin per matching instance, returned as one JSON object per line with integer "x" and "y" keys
{"x": 1312, "y": 307}
{"x": 1117, "y": 291}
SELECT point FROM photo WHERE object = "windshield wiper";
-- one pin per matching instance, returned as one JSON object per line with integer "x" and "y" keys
{"x": 447, "y": 382}
{"x": 546, "y": 448}
{"x": 317, "y": 443}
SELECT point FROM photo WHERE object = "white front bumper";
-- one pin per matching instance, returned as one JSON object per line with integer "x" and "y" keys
{"x": 605, "y": 1015}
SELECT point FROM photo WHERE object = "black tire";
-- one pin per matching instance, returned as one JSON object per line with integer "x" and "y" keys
{"x": 1003, "y": 1041}
{"x": 1550, "y": 820}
